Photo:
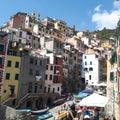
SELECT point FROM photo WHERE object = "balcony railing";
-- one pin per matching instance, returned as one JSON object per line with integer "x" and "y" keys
{"x": 1, "y": 65}
{"x": 12, "y": 95}
{"x": 2, "y": 52}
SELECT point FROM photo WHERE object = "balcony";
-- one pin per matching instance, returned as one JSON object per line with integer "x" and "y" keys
{"x": 12, "y": 95}
{"x": 2, "y": 52}
{"x": 1, "y": 65}
{"x": 0, "y": 79}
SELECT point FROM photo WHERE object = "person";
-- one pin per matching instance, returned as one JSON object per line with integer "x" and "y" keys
{"x": 79, "y": 115}
{"x": 58, "y": 112}
{"x": 64, "y": 106}
{"x": 96, "y": 115}
{"x": 102, "y": 113}
{"x": 85, "y": 111}
{"x": 86, "y": 117}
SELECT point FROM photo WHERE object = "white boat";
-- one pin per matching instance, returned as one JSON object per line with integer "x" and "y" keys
{"x": 39, "y": 112}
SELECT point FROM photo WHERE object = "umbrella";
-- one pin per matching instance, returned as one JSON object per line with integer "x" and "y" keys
{"x": 94, "y": 100}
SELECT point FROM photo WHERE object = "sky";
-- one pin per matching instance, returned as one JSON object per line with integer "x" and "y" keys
{"x": 84, "y": 14}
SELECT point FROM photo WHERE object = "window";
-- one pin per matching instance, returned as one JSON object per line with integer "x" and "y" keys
{"x": 46, "y": 76}
{"x": 111, "y": 76}
{"x": 20, "y": 34}
{"x": 90, "y": 62}
{"x": 40, "y": 86}
{"x": 119, "y": 60}
{"x": 31, "y": 72}
{"x": 46, "y": 67}
{"x": 1, "y": 47}
{"x": 96, "y": 56}
{"x": 74, "y": 57}
{"x": 7, "y": 76}
{"x": 37, "y": 72}
{"x": 53, "y": 90}
{"x": 50, "y": 77}
{"x": 35, "y": 62}
{"x": 16, "y": 76}
{"x": 90, "y": 69}
{"x": 85, "y": 63}
{"x": 85, "y": 69}
{"x": 31, "y": 60}
{"x": 57, "y": 45}
{"x": 58, "y": 89}
{"x": 47, "y": 60}
{"x": 9, "y": 63}
{"x": 70, "y": 61}
{"x": 1, "y": 59}
{"x": 51, "y": 67}
{"x": 30, "y": 87}
{"x": 40, "y": 62}
{"x": 85, "y": 57}
{"x": 89, "y": 77}
{"x": 16, "y": 64}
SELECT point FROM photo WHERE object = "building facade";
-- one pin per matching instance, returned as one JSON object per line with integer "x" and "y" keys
{"x": 90, "y": 67}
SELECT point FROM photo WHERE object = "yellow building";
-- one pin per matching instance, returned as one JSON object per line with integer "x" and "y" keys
{"x": 106, "y": 45}
{"x": 61, "y": 26}
{"x": 11, "y": 78}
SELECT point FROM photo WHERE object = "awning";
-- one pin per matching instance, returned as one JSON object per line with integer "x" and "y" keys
{"x": 94, "y": 100}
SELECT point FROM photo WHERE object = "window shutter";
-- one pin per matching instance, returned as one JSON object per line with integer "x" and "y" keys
{"x": 119, "y": 60}
{"x": 111, "y": 76}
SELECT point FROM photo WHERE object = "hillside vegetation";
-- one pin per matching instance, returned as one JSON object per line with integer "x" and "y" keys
{"x": 105, "y": 34}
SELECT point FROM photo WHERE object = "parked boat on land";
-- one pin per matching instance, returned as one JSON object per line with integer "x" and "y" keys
{"x": 59, "y": 101}
{"x": 23, "y": 110}
{"x": 39, "y": 112}
{"x": 45, "y": 116}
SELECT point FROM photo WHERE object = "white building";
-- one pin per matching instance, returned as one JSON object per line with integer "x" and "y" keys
{"x": 90, "y": 67}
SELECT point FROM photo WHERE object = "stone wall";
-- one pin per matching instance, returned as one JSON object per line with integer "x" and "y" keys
{"x": 7, "y": 113}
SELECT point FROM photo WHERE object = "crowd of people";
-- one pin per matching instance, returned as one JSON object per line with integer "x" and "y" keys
{"x": 84, "y": 112}
{"x": 87, "y": 113}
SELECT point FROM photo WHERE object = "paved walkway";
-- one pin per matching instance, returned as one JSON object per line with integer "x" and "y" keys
{"x": 55, "y": 110}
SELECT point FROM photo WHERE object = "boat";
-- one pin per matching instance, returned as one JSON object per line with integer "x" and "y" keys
{"x": 59, "y": 101}
{"x": 23, "y": 110}
{"x": 39, "y": 112}
{"x": 45, "y": 116}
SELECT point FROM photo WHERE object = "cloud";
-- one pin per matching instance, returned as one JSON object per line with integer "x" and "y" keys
{"x": 97, "y": 9}
{"x": 106, "y": 18}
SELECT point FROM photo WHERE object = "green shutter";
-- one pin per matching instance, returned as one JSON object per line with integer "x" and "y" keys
{"x": 119, "y": 60}
{"x": 113, "y": 58}
{"x": 111, "y": 76}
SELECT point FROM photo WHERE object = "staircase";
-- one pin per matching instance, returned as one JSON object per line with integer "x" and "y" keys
{"x": 22, "y": 100}
{"x": 32, "y": 95}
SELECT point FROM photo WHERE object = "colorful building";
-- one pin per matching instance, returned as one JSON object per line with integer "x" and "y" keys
{"x": 11, "y": 79}
{"x": 3, "y": 53}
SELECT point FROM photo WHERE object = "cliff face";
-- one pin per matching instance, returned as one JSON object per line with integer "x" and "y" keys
{"x": 7, "y": 113}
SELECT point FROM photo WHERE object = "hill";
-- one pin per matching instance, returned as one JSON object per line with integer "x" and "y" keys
{"x": 105, "y": 34}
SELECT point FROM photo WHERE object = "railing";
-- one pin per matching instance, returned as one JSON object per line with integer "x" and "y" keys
{"x": 29, "y": 95}
{"x": 26, "y": 96}
{"x": 2, "y": 52}
{"x": 19, "y": 102}
{"x": 7, "y": 100}
{"x": 12, "y": 95}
